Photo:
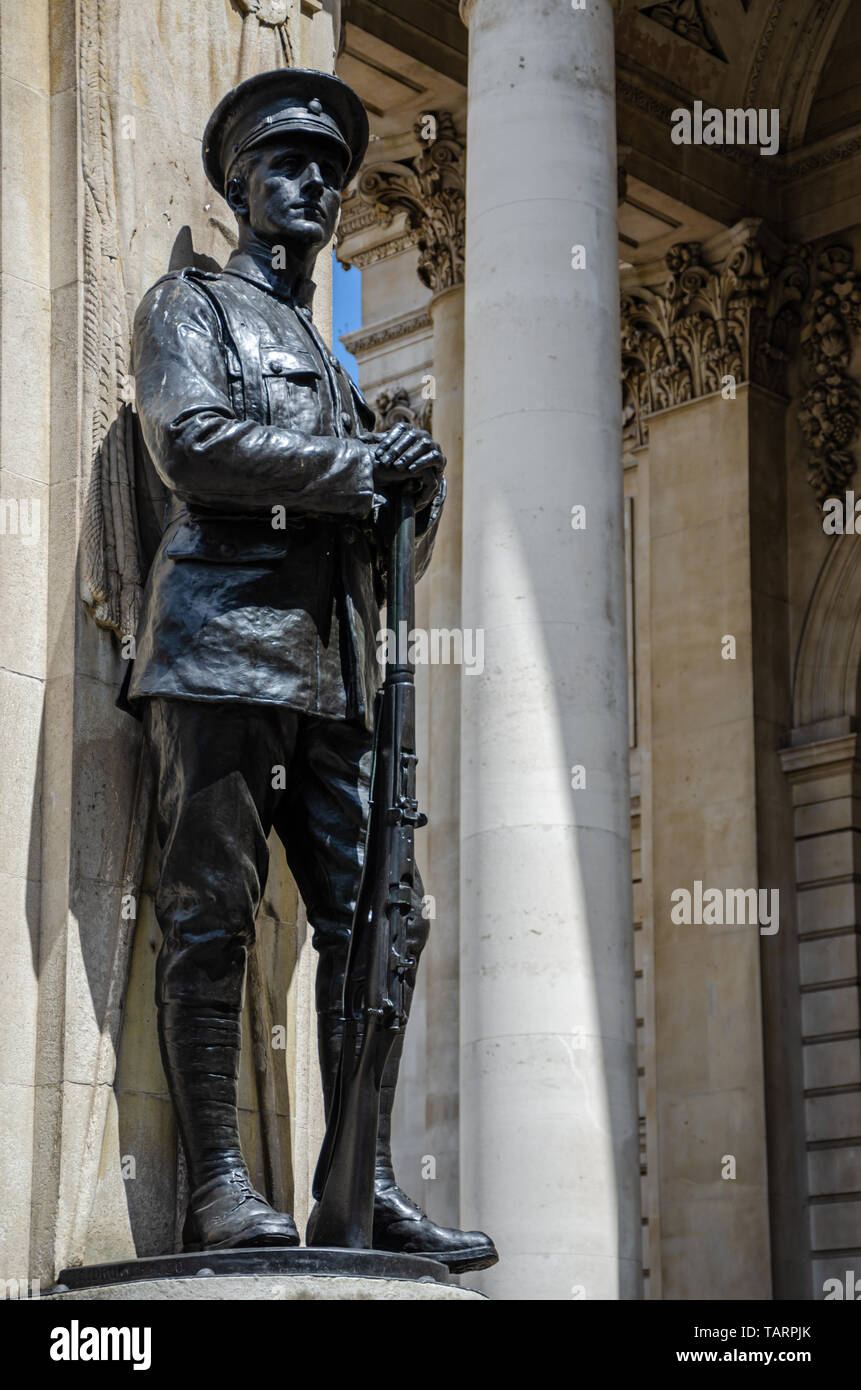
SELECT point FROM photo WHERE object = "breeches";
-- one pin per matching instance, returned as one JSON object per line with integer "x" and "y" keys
{"x": 226, "y": 775}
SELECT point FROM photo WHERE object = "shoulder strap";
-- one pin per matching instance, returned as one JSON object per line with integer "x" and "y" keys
{"x": 365, "y": 412}
{"x": 241, "y": 345}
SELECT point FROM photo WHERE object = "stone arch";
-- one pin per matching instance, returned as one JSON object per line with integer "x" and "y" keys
{"x": 819, "y": 32}
{"x": 834, "y": 54}
{"x": 826, "y": 685}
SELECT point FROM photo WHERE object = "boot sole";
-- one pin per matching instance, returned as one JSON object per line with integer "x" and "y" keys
{"x": 247, "y": 1241}
{"x": 461, "y": 1261}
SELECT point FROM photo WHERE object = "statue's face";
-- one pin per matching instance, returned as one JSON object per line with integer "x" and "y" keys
{"x": 290, "y": 190}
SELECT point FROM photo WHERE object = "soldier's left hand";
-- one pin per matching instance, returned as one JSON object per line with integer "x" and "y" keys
{"x": 406, "y": 449}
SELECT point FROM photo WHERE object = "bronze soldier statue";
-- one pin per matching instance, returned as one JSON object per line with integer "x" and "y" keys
{"x": 257, "y": 643}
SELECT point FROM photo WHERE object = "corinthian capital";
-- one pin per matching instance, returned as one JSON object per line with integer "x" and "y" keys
{"x": 709, "y": 318}
{"x": 430, "y": 191}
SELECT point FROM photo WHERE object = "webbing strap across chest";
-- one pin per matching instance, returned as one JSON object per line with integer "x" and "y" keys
{"x": 241, "y": 345}
{"x": 242, "y": 353}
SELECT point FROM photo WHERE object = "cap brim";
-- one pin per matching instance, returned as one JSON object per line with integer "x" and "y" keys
{"x": 277, "y": 132}
{"x": 298, "y": 84}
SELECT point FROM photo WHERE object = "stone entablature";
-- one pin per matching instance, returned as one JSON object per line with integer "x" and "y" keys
{"x": 383, "y": 335}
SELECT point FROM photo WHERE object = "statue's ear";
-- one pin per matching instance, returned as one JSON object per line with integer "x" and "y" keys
{"x": 237, "y": 196}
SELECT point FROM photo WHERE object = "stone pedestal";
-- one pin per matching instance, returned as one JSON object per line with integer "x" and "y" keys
{"x": 262, "y": 1275}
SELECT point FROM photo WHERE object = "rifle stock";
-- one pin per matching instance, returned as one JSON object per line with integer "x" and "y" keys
{"x": 378, "y": 960}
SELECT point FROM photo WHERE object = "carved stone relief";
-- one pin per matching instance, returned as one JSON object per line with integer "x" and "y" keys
{"x": 133, "y": 115}
{"x": 687, "y": 19}
{"x": 830, "y": 411}
{"x": 398, "y": 405}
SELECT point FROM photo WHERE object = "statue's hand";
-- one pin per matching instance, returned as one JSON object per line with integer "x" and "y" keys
{"x": 405, "y": 452}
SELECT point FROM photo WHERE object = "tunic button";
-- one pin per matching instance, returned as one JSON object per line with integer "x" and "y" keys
{"x": 227, "y": 549}
{"x": 276, "y": 365}
{"x": 347, "y": 421}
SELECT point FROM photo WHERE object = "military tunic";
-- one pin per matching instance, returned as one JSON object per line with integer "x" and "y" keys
{"x": 265, "y": 588}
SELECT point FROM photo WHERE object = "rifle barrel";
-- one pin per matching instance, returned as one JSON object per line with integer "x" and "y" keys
{"x": 374, "y": 1004}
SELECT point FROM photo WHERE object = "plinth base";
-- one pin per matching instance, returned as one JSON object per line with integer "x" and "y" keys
{"x": 268, "y": 1275}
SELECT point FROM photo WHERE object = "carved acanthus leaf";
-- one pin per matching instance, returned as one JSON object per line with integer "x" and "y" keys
{"x": 430, "y": 191}
{"x": 706, "y": 320}
{"x": 830, "y": 412}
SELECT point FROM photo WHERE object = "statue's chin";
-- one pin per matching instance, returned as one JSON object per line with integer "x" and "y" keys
{"x": 299, "y": 237}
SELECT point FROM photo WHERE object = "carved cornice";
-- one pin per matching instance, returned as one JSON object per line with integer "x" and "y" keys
{"x": 430, "y": 191}
{"x": 638, "y": 96}
{"x": 832, "y": 150}
{"x": 831, "y": 406}
{"x": 403, "y": 327}
{"x": 633, "y": 92}
{"x": 356, "y": 216}
{"x": 713, "y": 312}
{"x": 383, "y": 250}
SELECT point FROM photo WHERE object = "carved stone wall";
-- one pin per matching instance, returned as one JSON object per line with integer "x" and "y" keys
{"x": 108, "y": 143}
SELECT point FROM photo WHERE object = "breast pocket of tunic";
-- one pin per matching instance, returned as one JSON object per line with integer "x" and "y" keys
{"x": 292, "y": 381}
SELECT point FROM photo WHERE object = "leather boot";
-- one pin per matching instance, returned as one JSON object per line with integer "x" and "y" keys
{"x": 400, "y": 1225}
{"x": 399, "y": 1222}
{"x": 200, "y": 1053}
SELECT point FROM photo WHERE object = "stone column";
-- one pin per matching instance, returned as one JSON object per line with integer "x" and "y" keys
{"x": 548, "y": 1101}
{"x": 443, "y": 835}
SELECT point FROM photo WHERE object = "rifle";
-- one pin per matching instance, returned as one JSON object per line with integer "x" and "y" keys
{"x": 378, "y": 960}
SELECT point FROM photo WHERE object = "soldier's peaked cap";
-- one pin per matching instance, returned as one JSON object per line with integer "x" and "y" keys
{"x": 286, "y": 101}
